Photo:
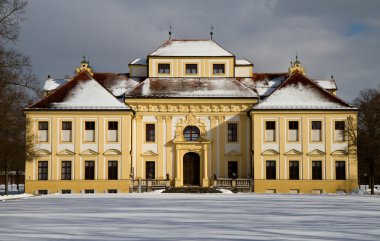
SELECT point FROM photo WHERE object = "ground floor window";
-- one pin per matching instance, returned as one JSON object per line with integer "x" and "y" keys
{"x": 66, "y": 170}
{"x": 317, "y": 170}
{"x": 89, "y": 171}
{"x": 112, "y": 190}
{"x": 112, "y": 170}
{"x": 294, "y": 170}
{"x": 271, "y": 169}
{"x": 150, "y": 172}
{"x": 42, "y": 170}
{"x": 66, "y": 191}
{"x": 43, "y": 192}
{"x": 89, "y": 191}
{"x": 232, "y": 169}
{"x": 340, "y": 170}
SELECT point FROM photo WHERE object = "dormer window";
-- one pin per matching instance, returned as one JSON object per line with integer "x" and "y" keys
{"x": 164, "y": 68}
{"x": 219, "y": 68}
{"x": 191, "y": 68}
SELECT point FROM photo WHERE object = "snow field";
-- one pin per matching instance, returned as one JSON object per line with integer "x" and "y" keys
{"x": 158, "y": 216}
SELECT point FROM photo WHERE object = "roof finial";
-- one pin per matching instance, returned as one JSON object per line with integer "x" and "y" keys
{"x": 170, "y": 31}
{"x": 291, "y": 61}
{"x": 211, "y": 32}
{"x": 332, "y": 77}
{"x": 296, "y": 56}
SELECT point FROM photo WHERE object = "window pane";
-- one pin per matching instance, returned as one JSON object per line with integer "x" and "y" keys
{"x": 232, "y": 169}
{"x": 317, "y": 170}
{"x": 89, "y": 170}
{"x": 150, "y": 170}
{"x": 43, "y": 125}
{"x": 191, "y": 133}
{"x": 340, "y": 170}
{"x": 293, "y": 170}
{"x": 218, "y": 68}
{"x": 164, "y": 68}
{"x": 316, "y": 125}
{"x": 150, "y": 132}
{"x": 112, "y": 125}
{"x": 232, "y": 131}
{"x": 42, "y": 170}
{"x": 66, "y": 170}
{"x": 66, "y": 125}
{"x": 339, "y": 125}
{"x": 112, "y": 170}
{"x": 270, "y": 169}
{"x": 90, "y": 125}
{"x": 293, "y": 125}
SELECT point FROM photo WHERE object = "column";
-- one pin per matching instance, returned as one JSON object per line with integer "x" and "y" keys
{"x": 178, "y": 170}
{"x": 160, "y": 146}
{"x": 205, "y": 165}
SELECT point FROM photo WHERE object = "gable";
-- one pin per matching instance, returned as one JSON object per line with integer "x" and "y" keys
{"x": 299, "y": 92}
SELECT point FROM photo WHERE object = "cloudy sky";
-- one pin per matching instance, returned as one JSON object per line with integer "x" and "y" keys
{"x": 340, "y": 38}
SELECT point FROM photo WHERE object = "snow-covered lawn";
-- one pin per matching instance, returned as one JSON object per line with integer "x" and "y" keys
{"x": 155, "y": 216}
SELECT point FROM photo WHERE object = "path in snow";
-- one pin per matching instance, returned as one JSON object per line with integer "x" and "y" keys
{"x": 191, "y": 217}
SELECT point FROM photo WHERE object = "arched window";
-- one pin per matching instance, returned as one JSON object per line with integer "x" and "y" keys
{"x": 191, "y": 133}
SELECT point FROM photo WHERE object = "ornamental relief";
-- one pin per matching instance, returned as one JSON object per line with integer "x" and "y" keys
{"x": 190, "y": 120}
{"x": 190, "y": 108}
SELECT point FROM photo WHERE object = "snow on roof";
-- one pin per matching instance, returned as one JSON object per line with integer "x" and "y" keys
{"x": 264, "y": 83}
{"x": 88, "y": 94}
{"x": 117, "y": 84}
{"x": 140, "y": 61}
{"x": 52, "y": 84}
{"x": 192, "y": 87}
{"x": 327, "y": 84}
{"x": 298, "y": 92}
{"x": 190, "y": 47}
{"x": 242, "y": 62}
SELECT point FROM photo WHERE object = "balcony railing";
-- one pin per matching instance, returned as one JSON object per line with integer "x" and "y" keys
{"x": 229, "y": 183}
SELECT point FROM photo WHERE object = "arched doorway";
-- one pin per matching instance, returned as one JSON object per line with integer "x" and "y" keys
{"x": 191, "y": 171}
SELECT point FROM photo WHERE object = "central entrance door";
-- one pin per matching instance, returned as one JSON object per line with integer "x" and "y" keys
{"x": 191, "y": 174}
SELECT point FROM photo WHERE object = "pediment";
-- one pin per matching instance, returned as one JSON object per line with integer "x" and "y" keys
{"x": 270, "y": 152}
{"x": 339, "y": 153}
{"x": 89, "y": 152}
{"x": 112, "y": 152}
{"x": 233, "y": 153}
{"x": 316, "y": 152}
{"x": 43, "y": 152}
{"x": 149, "y": 153}
{"x": 293, "y": 152}
{"x": 66, "y": 152}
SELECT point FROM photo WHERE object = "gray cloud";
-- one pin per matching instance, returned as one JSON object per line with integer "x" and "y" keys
{"x": 56, "y": 33}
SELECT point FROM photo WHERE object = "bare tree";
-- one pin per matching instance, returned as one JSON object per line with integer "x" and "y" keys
{"x": 18, "y": 86}
{"x": 365, "y": 133}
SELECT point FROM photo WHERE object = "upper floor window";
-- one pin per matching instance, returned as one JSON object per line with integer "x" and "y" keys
{"x": 340, "y": 170}
{"x": 150, "y": 132}
{"x": 218, "y": 68}
{"x": 43, "y": 128}
{"x": 316, "y": 131}
{"x": 113, "y": 127}
{"x": 191, "y": 68}
{"x": 191, "y": 133}
{"x": 293, "y": 131}
{"x": 164, "y": 68}
{"x": 42, "y": 170}
{"x": 339, "y": 130}
{"x": 270, "y": 131}
{"x": 66, "y": 131}
{"x": 89, "y": 131}
{"x": 232, "y": 132}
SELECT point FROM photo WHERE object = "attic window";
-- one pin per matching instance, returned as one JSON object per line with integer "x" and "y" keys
{"x": 164, "y": 68}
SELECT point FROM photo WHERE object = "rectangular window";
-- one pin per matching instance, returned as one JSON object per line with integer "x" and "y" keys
{"x": 150, "y": 172}
{"x": 42, "y": 192}
{"x": 43, "y": 131}
{"x": 293, "y": 131}
{"x": 112, "y": 190}
{"x": 317, "y": 170}
{"x": 339, "y": 130}
{"x": 90, "y": 131}
{"x": 270, "y": 131}
{"x": 191, "y": 68}
{"x": 316, "y": 131}
{"x": 89, "y": 171}
{"x": 42, "y": 170}
{"x": 294, "y": 171}
{"x": 164, "y": 68}
{"x": 113, "y": 127}
{"x": 218, "y": 68}
{"x": 66, "y": 170}
{"x": 232, "y": 132}
{"x": 232, "y": 169}
{"x": 66, "y": 191}
{"x": 271, "y": 170}
{"x": 66, "y": 131}
{"x": 112, "y": 170}
{"x": 89, "y": 191}
{"x": 340, "y": 170}
{"x": 150, "y": 132}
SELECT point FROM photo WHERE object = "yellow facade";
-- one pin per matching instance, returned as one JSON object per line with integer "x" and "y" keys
{"x": 152, "y": 138}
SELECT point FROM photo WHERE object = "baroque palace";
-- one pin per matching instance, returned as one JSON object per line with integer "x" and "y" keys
{"x": 190, "y": 114}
